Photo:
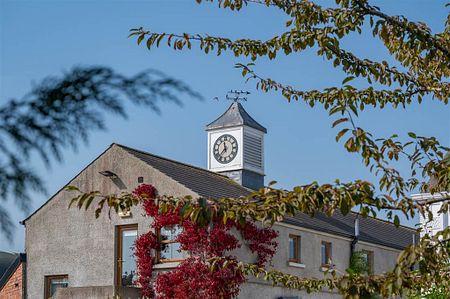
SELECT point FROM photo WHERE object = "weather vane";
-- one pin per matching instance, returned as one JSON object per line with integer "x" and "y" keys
{"x": 235, "y": 95}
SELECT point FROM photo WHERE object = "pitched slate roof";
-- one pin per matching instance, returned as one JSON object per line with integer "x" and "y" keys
{"x": 205, "y": 183}
{"x": 6, "y": 258}
{"x": 235, "y": 116}
{"x": 212, "y": 185}
{"x": 371, "y": 230}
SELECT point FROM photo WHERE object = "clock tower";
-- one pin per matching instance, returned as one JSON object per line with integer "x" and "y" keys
{"x": 236, "y": 147}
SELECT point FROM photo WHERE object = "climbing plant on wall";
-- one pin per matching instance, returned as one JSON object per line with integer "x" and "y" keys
{"x": 195, "y": 277}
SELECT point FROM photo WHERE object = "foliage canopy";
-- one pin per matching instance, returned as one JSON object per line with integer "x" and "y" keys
{"x": 421, "y": 73}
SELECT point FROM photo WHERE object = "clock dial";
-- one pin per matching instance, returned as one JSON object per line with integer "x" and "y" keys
{"x": 225, "y": 149}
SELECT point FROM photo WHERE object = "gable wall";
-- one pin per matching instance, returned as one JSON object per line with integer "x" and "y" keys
{"x": 69, "y": 241}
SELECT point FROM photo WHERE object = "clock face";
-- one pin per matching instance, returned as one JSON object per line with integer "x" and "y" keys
{"x": 225, "y": 149}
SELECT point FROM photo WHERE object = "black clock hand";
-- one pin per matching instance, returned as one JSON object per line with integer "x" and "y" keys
{"x": 224, "y": 148}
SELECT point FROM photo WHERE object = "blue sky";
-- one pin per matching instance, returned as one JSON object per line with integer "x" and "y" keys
{"x": 41, "y": 38}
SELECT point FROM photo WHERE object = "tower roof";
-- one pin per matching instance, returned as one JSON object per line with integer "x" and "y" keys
{"x": 235, "y": 116}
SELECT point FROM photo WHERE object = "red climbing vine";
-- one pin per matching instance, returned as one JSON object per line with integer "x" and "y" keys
{"x": 194, "y": 277}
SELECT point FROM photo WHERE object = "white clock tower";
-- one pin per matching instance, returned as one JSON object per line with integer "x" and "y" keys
{"x": 236, "y": 147}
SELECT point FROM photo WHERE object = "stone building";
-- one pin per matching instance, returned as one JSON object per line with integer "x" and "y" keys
{"x": 71, "y": 254}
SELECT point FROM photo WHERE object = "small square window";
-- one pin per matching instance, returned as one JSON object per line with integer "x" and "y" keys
{"x": 326, "y": 253}
{"x": 170, "y": 248}
{"x": 55, "y": 282}
{"x": 294, "y": 248}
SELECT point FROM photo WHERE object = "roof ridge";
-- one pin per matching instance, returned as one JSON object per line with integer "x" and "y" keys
{"x": 385, "y": 221}
{"x": 178, "y": 162}
{"x": 227, "y": 178}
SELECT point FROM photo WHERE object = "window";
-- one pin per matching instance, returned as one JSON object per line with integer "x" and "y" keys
{"x": 170, "y": 248}
{"x": 126, "y": 261}
{"x": 368, "y": 258}
{"x": 326, "y": 253}
{"x": 294, "y": 248}
{"x": 55, "y": 282}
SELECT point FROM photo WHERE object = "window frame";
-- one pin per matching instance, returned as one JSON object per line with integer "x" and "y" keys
{"x": 297, "y": 249}
{"x": 328, "y": 253}
{"x": 47, "y": 281}
{"x": 159, "y": 260}
{"x": 119, "y": 244}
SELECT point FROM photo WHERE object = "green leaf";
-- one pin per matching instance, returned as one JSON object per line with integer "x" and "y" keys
{"x": 72, "y": 201}
{"x": 133, "y": 33}
{"x": 71, "y": 188}
{"x": 88, "y": 202}
{"x": 341, "y": 133}
{"x": 202, "y": 202}
{"x": 354, "y": 109}
{"x": 341, "y": 120}
{"x": 396, "y": 221}
{"x": 348, "y": 79}
{"x": 344, "y": 207}
{"x": 185, "y": 210}
{"x": 140, "y": 38}
{"x": 194, "y": 216}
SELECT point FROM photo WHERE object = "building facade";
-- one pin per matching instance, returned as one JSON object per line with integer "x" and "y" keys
{"x": 71, "y": 254}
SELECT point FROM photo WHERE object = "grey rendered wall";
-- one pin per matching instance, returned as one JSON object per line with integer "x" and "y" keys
{"x": 384, "y": 260}
{"x": 384, "y": 257}
{"x": 73, "y": 242}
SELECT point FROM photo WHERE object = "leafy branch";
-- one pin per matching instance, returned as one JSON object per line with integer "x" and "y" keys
{"x": 268, "y": 206}
{"x": 59, "y": 112}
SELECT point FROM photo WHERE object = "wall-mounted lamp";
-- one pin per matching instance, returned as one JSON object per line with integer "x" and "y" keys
{"x": 108, "y": 174}
{"x": 125, "y": 214}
